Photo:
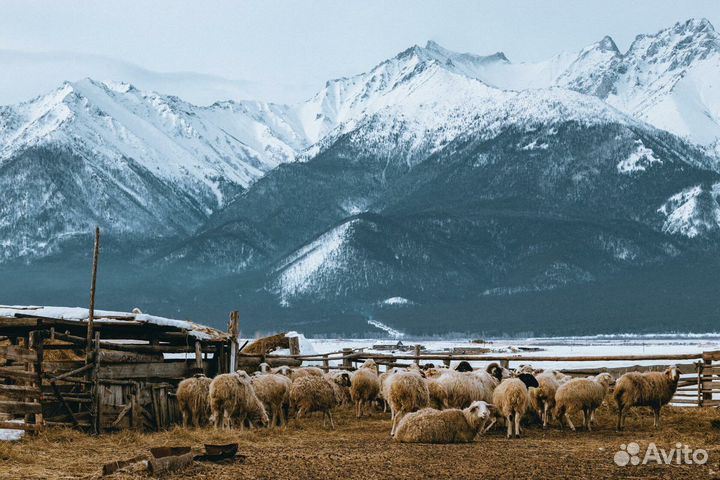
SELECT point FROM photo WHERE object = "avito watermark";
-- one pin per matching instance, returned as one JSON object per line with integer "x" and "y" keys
{"x": 682, "y": 454}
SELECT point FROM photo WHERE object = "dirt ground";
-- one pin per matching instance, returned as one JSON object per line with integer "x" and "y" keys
{"x": 363, "y": 449}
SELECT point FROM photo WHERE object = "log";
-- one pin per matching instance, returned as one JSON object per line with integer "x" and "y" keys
{"x": 168, "y": 459}
{"x": 19, "y": 392}
{"x": 140, "y": 371}
{"x": 18, "y": 354}
{"x": 117, "y": 356}
{"x": 64, "y": 403}
{"x": 17, "y": 374}
{"x": 135, "y": 464}
{"x": 20, "y": 408}
{"x": 20, "y": 426}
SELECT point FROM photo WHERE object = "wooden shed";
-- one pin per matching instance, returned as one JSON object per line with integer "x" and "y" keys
{"x": 125, "y": 378}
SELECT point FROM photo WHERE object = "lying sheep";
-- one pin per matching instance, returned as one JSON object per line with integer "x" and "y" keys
{"x": 193, "y": 399}
{"x": 273, "y": 390}
{"x": 512, "y": 398}
{"x": 365, "y": 386}
{"x": 581, "y": 394}
{"x": 233, "y": 399}
{"x": 443, "y": 426}
{"x": 542, "y": 399}
{"x": 649, "y": 389}
{"x": 311, "y": 393}
{"x": 408, "y": 392}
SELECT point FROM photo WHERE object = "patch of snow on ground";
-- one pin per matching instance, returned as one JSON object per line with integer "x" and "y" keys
{"x": 11, "y": 435}
{"x": 639, "y": 160}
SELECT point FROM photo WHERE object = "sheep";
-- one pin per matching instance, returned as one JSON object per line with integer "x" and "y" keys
{"x": 542, "y": 399}
{"x": 438, "y": 397}
{"x": 463, "y": 388}
{"x": 408, "y": 392}
{"x": 232, "y": 397}
{"x": 365, "y": 386}
{"x": 384, "y": 378}
{"x": 193, "y": 399}
{"x": 463, "y": 367}
{"x": 648, "y": 389}
{"x": 311, "y": 393}
{"x": 340, "y": 381}
{"x": 581, "y": 394}
{"x": 511, "y": 398}
{"x": 296, "y": 373}
{"x": 273, "y": 390}
{"x": 443, "y": 426}
{"x": 282, "y": 370}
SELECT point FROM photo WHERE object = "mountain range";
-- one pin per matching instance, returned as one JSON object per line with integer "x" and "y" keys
{"x": 438, "y": 192}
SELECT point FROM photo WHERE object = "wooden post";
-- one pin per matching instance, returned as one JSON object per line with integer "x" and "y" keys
{"x": 96, "y": 388}
{"x": 91, "y": 310}
{"x": 447, "y": 361}
{"x": 326, "y": 363}
{"x": 38, "y": 341}
{"x": 294, "y": 345}
{"x": 346, "y": 360}
{"x": 505, "y": 363}
{"x": 700, "y": 367}
{"x": 417, "y": 354}
{"x": 234, "y": 331}
{"x": 198, "y": 356}
{"x": 707, "y": 379}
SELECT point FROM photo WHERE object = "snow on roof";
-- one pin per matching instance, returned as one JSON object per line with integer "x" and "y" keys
{"x": 79, "y": 314}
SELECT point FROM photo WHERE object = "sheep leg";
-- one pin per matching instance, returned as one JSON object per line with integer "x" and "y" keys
{"x": 490, "y": 425}
{"x": 546, "y": 407}
{"x": 332, "y": 424}
{"x": 219, "y": 419}
{"x": 358, "y": 404}
{"x": 567, "y": 417}
{"x": 509, "y": 422}
{"x": 517, "y": 425}
{"x": 185, "y": 419}
{"x": 396, "y": 420}
{"x": 619, "y": 426}
{"x": 656, "y": 422}
{"x": 589, "y": 417}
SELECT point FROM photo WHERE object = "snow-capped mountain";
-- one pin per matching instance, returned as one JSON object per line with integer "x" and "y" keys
{"x": 440, "y": 177}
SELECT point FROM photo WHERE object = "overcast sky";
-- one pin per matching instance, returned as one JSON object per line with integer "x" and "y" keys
{"x": 305, "y": 43}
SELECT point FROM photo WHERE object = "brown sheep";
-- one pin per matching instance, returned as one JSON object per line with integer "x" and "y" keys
{"x": 365, "y": 386}
{"x": 581, "y": 394}
{"x": 233, "y": 399}
{"x": 443, "y": 426}
{"x": 193, "y": 399}
{"x": 542, "y": 399}
{"x": 296, "y": 373}
{"x": 648, "y": 389}
{"x": 408, "y": 392}
{"x": 311, "y": 393}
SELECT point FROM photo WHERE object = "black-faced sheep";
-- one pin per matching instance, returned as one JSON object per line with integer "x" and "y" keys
{"x": 273, "y": 390}
{"x": 649, "y": 389}
{"x": 464, "y": 367}
{"x": 340, "y": 380}
{"x": 365, "y": 386}
{"x": 193, "y": 399}
{"x": 408, "y": 392}
{"x": 233, "y": 399}
{"x": 311, "y": 393}
{"x": 512, "y": 398}
{"x": 443, "y": 426}
{"x": 581, "y": 394}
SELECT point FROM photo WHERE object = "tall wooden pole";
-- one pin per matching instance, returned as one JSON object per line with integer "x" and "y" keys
{"x": 91, "y": 314}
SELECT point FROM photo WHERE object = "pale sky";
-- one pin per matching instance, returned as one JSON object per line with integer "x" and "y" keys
{"x": 306, "y": 43}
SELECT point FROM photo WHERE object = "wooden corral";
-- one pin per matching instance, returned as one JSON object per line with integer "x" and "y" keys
{"x": 125, "y": 378}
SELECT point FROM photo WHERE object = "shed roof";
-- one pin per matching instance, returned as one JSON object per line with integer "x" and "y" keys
{"x": 105, "y": 317}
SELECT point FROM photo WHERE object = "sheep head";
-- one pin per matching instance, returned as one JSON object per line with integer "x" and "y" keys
{"x": 673, "y": 374}
{"x": 464, "y": 367}
{"x": 529, "y": 380}
{"x": 479, "y": 413}
{"x": 496, "y": 371}
{"x": 605, "y": 379}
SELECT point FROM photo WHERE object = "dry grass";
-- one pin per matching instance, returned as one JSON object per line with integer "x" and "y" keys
{"x": 363, "y": 449}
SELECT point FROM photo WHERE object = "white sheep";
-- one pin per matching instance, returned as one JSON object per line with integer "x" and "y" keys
{"x": 443, "y": 426}
{"x": 512, "y": 398}
{"x": 581, "y": 394}
{"x": 649, "y": 389}
{"x": 408, "y": 392}
{"x": 542, "y": 399}
{"x": 273, "y": 390}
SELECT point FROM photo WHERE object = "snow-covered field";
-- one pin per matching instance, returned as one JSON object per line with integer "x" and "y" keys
{"x": 558, "y": 347}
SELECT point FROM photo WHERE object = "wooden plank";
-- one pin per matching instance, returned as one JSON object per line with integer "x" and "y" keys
{"x": 18, "y": 354}
{"x": 19, "y": 392}
{"x": 20, "y": 408}
{"x": 139, "y": 371}
{"x": 16, "y": 374}
{"x": 20, "y": 426}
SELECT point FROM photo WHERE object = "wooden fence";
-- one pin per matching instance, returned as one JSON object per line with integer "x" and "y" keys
{"x": 699, "y": 383}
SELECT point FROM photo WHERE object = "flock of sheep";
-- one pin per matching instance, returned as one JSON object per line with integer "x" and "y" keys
{"x": 427, "y": 405}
